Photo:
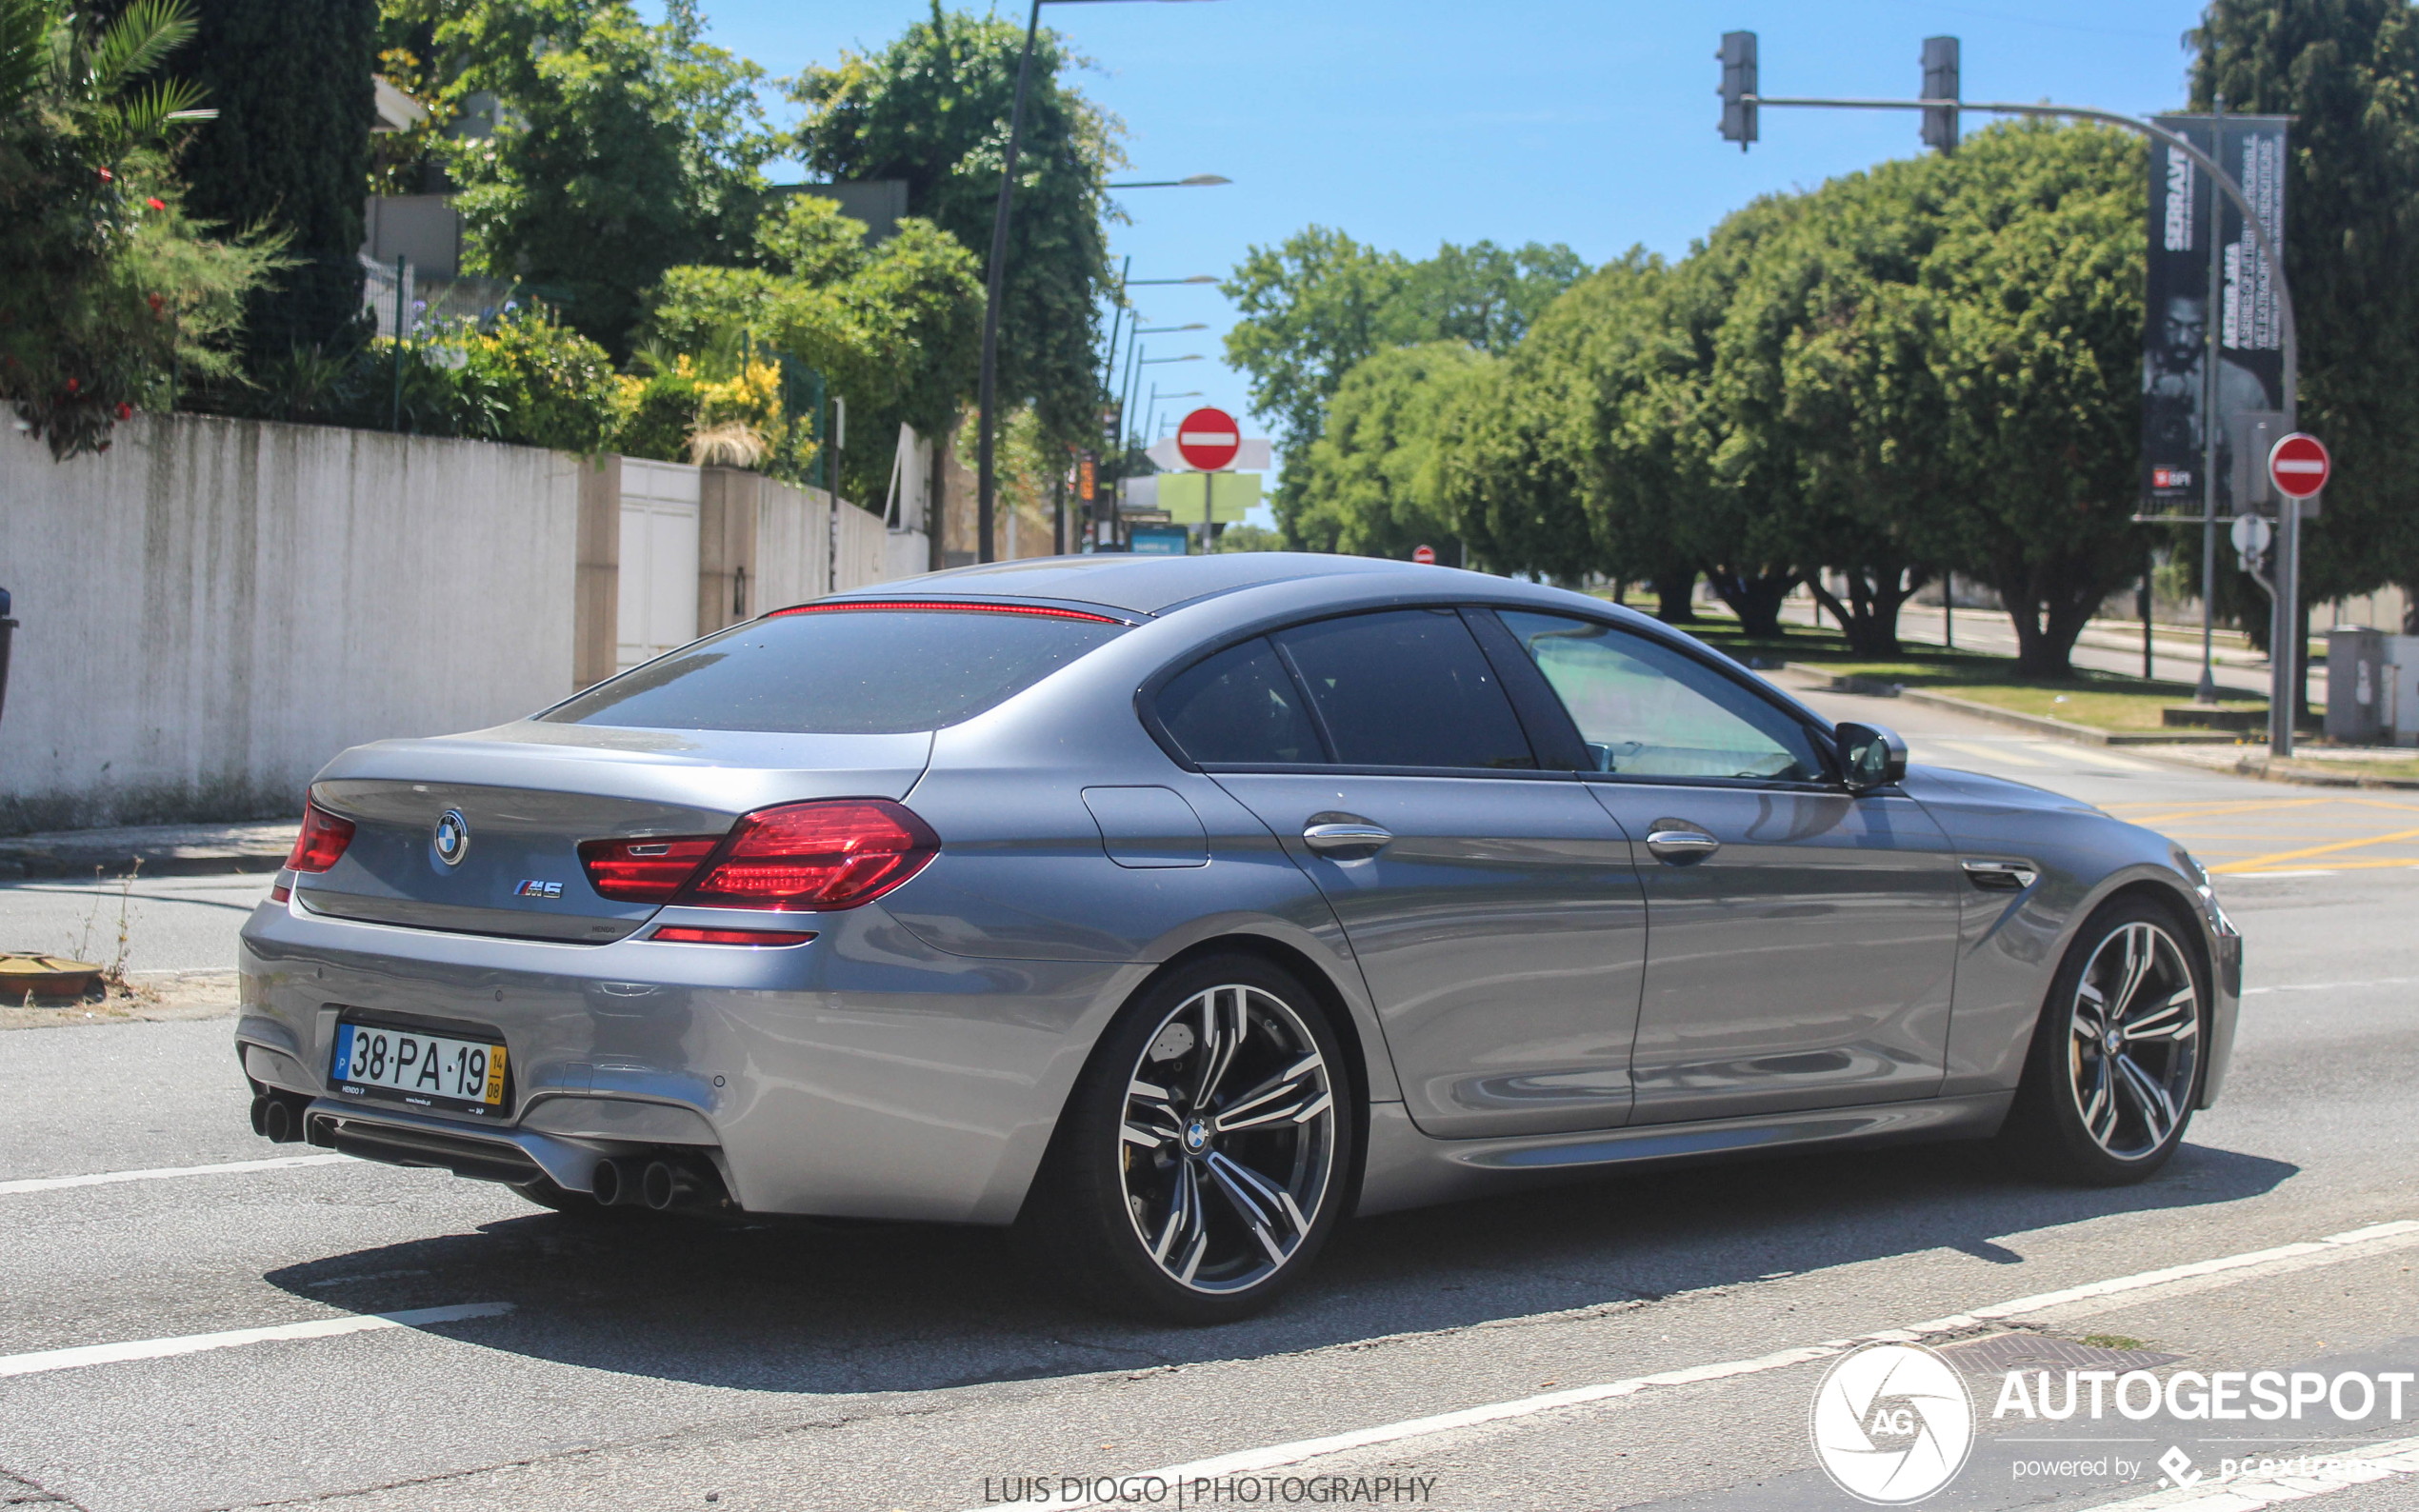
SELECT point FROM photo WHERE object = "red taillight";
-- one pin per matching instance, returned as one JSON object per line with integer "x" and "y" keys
{"x": 826, "y": 854}
{"x": 687, "y": 934}
{"x": 323, "y": 839}
{"x": 644, "y": 870}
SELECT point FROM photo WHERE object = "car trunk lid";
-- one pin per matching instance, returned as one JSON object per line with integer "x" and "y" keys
{"x": 526, "y": 795}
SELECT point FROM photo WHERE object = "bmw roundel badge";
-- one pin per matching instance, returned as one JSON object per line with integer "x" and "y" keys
{"x": 452, "y": 837}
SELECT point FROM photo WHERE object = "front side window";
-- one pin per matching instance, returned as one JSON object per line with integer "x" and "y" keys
{"x": 1646, "y": 710}
{"x": 1407, "y": 688}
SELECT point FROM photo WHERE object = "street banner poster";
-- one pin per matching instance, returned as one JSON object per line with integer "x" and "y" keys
{"x": 2251, "y": 364}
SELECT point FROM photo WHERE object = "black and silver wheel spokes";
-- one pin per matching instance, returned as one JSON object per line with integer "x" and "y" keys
{"x": 1228, "y": 1139}
{"x": 2134, "y": 1043}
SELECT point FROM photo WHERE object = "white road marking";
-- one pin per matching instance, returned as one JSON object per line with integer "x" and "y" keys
{"x": 2332, "y": 986}
{"x": 77, "y": 1358}
{"x": 2101, "y": 758}
{"x": 1249, "y": 1460}
{"x": 1998, "y": 753}
{"x": 2289, "y": 1478}
{"x": 52, "y": 1184}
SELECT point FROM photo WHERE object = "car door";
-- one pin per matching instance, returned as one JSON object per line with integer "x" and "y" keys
{"x": 1493, "y": 905}
{"x": 1803, "y": 938}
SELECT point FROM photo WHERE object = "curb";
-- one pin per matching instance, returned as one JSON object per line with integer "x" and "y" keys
{"x": 2081, "y": 734}
{"x": 33, "y": 865}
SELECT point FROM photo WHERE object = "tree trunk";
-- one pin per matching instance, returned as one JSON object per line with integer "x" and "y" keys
{"x": 1756, "y": 600}
{"x": 1675, "y": 590}
{"x": 2046, "y": 623}
{"x": 1869, "y": 619}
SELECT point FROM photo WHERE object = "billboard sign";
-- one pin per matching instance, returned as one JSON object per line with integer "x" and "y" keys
{"x": 2182, "y": 305}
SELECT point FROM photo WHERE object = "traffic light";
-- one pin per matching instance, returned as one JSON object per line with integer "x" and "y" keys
{"x": 1738, "y": 87}
{"x": 1940, "y": 83}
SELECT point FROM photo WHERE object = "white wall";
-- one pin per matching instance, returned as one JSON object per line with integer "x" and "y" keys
{"x": 213, "y": 608}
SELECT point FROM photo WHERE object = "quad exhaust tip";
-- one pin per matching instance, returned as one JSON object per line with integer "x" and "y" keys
{"x": 659, "y": 1184}
{"x": 278, "y": 1119}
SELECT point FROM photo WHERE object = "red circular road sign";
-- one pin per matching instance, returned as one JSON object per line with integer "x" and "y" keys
{"x": 1426, "y": 555}
{"x": 2298, "y": 466}
{"x": 1209, "y": 439}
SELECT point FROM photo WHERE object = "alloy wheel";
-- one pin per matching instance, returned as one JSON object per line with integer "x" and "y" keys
{"x": 2133, "y": 1041}
{"x": 1229, "y": 1140}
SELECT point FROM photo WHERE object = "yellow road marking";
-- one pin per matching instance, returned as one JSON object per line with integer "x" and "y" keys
{"x": 2411, "y": 861}
{"x": 2257, "y": 861}
{"x": 2214, "y": 811}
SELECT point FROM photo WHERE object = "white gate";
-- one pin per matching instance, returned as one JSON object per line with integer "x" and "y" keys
{"x": 658, "y": 608}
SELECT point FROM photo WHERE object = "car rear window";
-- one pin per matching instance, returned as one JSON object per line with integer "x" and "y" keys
{"x": 844, "y": 672}
{"x": 1240, "y": 706}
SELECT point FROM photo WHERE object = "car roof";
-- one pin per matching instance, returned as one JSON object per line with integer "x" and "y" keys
{"x": 1144, "y": 585}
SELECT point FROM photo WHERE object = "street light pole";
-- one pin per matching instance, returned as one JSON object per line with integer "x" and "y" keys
{"x": 987, "y": 387}
{"x": 994, "y": 278}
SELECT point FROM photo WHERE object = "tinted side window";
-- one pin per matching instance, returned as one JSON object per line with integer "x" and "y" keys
{"x": 1409, "y": 688}
{"x": 1239, "y": 706}
{"x": 1646, "y": 710}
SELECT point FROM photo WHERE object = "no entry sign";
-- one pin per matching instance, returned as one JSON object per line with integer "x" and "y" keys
{"x": 1209, "y": 439}
{"x": 2298, "y": 466}
{"x": 1425, "y": 555}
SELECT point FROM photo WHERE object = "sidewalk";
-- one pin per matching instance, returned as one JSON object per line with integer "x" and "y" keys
{"x": 162, "y": 850}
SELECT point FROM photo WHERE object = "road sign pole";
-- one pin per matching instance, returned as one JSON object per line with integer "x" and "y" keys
{"x": 2206, "y": 692}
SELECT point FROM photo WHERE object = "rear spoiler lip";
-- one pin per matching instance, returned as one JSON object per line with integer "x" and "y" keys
{"x": 726, "y": 770}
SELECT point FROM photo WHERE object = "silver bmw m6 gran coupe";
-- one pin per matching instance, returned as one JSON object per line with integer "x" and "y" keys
{"x": 1172, "y": 910}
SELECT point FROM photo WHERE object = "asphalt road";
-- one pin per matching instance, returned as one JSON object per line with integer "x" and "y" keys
{"x": 654, "y": 1364}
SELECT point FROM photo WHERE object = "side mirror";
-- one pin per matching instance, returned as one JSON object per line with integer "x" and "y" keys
{"x": 1870, "y": 756}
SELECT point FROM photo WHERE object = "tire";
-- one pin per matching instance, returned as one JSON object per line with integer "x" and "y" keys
{"x": 1198, "y": 1169}
{"x": 2116, "y": 1064}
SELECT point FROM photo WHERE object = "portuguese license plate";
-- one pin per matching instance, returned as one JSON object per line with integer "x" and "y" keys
{"x": 422, "y": 1069}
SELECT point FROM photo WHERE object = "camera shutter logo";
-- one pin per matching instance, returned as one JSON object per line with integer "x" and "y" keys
{"x": 1892, "y": 1423}
{"x": 453, "y": 837}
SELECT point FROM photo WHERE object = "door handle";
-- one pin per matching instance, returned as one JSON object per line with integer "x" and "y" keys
{"x": 1357, "y": 841}
{"x": 1680, "y": 844}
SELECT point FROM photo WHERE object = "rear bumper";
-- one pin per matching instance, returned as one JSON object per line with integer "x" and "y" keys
{"x": 863, "y": 1074}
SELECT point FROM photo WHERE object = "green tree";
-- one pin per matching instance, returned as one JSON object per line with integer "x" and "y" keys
{"x": 289, "y": 149}
{"x": 624, "y": 150}
{"x": 1369, "y": 486}
{"x": 933, "y": 109}
{"x": 894, "y": 328}
{"x": 2039, "y": 269}
{"x": 109, "y": 285}
{"x": 1826, "y": 417}
{"x": 1321, "y": 302}
{"x": 2349, "y": 71}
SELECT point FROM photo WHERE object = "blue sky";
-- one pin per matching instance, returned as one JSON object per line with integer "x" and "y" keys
{"x": 1410, "y": 123}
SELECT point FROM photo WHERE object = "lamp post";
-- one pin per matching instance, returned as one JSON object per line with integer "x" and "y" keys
{"x": 1152, "y": 409}
{"x": 987, "y": 387}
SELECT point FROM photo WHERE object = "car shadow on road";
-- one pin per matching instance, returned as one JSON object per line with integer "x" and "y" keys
{"x": 835, "y": 1307}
